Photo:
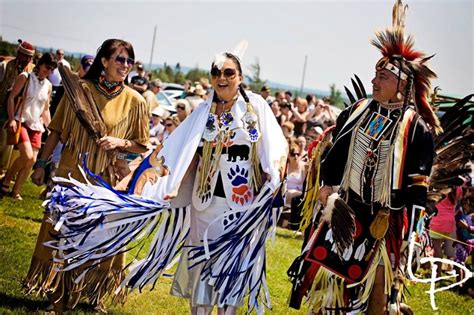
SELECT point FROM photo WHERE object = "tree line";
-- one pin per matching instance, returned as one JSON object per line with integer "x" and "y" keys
{"x": 175, "y": 74}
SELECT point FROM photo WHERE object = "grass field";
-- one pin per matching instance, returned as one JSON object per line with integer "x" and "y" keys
{"x": 19, "y": 225}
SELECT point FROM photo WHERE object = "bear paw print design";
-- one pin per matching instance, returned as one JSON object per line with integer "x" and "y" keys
{"x": 240, "y": 190}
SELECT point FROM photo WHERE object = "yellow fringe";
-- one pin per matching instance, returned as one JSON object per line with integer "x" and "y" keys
{"x": 388, "y": 272}
{"x": 255, "y": 174}
{"x": 310, "y": 198}
{"x": 204, "y": 168}
{"x": 206, "y": 161}
{"x": 369, "y": 278}
{"x": 312, "y": 189}
{"x": 327, "y": 291}
{"x": 312, "y": 183}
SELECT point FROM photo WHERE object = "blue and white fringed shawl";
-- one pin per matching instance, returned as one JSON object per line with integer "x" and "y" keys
{"x": 234, "y": 263}
{"x": 97, "y": 222}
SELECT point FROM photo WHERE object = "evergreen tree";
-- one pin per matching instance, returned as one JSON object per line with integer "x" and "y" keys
{"x": 256, "y": 82}
{"x": 178, "y": 75}
{"x": 195, "y": 74}
{"x": 336, "y": 97}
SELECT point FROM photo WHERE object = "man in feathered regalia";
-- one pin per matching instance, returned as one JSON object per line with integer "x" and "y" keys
{"x": 374, "y": 182}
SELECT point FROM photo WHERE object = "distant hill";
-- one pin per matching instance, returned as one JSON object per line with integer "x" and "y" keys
{"x": 285, "y": 87}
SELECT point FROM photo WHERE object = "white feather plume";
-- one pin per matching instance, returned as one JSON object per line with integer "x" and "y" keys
{"x": 240, "y": 49}
{"x": 219, "y": 60}
{"x": 327, "y": 211}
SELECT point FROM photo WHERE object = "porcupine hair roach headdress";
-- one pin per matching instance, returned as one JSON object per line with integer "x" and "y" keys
{"x": 400, "y": 58}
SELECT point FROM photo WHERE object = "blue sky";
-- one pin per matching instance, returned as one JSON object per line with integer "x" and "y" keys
{"x": 334, "y": 35}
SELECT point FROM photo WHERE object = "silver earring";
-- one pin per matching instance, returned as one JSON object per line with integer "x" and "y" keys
{"x": 102, "y": 73}
{"x": 399, "y": 96}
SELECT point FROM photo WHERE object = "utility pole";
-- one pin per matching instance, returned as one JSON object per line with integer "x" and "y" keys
{"x": 152, "y": 48}
{"x": 304, "y": 72}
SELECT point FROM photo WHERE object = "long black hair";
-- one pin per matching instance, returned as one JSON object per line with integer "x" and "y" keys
{"x": 47, "y": 59}
{"x": 236, "y": 61}
{"x": 106, "y": 50}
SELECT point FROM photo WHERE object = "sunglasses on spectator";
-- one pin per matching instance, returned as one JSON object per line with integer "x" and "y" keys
{"x": 168, "y": 124}
{"x": 180, "y": 107}
{"x": 123, "y": 61}
{"x": 228, "y": 73}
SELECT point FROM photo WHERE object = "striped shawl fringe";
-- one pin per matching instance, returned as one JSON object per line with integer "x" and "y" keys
{"x": 234, "y": 263}
{"x": 96, "y": 223}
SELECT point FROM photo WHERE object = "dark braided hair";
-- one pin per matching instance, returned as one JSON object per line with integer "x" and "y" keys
{"x": 408, "y": 89}
{"x": 244, "y": 95}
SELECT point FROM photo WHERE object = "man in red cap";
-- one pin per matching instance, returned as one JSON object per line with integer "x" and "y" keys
{"x": 9, "y": 70}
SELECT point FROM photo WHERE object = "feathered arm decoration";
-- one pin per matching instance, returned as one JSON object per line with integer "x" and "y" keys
{"x": 454, "y": 148}
{"x": 311, "y": 192}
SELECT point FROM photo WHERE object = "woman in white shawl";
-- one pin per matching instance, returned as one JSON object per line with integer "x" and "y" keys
{"x": 208, "y": 190}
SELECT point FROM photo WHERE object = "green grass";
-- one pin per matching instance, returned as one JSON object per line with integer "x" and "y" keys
{"x": 19, "y": 225}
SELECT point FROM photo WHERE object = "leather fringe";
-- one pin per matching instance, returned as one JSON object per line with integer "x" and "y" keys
{"x": 98, "y": 160}
{"x": 42, "y": 277}
{"x": 44, "y": 280}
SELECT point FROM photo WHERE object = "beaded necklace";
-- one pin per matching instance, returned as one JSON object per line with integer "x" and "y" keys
{"x": 391, "y": 105}
{"x": 108, "y": 88}
{"x": 217, "y": 133}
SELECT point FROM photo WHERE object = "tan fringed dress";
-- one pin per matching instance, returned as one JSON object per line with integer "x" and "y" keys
{"x": 126, "y": 117}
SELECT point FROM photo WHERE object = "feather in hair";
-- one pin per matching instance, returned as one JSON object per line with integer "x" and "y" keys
{"x": 398, "y": 14}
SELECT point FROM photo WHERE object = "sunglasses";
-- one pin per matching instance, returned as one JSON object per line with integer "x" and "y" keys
{"x": 180, "y": 107}
{"x": 228, "y": 73}
{"x": 169, "y": 125}
{"x": 123, "y": 61}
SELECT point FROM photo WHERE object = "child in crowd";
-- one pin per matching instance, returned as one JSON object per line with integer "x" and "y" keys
{"x": 465, "y": 227}
{"x": 465, "y": 234}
